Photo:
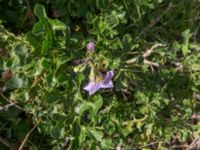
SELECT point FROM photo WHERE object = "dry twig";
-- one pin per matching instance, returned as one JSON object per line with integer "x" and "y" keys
{"x": 29, "y": 13}
{"x": 9, "y": 101}
{"x": 150, "y": 51}
{"x": 145, "y": 55}
{"x": 26, "y": 137}
{"x": 158, "y": 18}
{"x": 195, "y": 145}
{"x": 7, "y": 106}
{"x": 8, "y": 144}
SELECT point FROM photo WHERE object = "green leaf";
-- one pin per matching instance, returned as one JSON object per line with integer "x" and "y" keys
{"x": 75, "y": 144}
{"x": 185, "y": 46}
{"x": 39, "y": 28}
{"x": 102, "y": 26}
{"x": 76, "y": 129}
{"x": 53, "y": 97}
{"x": 47, "y": 45}
{"x": 144, "y": 109}
{"x": 57, "y": 25}
{"x": 46, "y": 63}
{"x": 34, "y": 41}
{"x": 97, "y": 135}
{"x": 60, "y": 118}
{"x": 98, "y": 102}
{"x": 56, "y": 147}
{"x": 80, "y": 77}
{"x": 16, "y": 82}
{"x": 116, "y": 63}
{"x": 39, "y": 11}
{"x": 58, "y": 132}
{"x": 21, "y": 128}
{"x": 82, "y": 107}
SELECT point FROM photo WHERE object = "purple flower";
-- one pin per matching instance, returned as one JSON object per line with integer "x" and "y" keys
{"x": 90, "y": 46}
{"x": 94, "y": 86}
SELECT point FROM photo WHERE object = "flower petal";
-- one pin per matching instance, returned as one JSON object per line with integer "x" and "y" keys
{"x": 92, "y": 87}
{"x": 108, "y": 76}
{"x": 106, "y": 84}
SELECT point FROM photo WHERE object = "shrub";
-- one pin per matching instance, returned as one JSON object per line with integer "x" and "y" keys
{"x": 151, "y": 47}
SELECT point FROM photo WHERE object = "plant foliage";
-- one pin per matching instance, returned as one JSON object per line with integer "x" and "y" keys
{"x": 153, "y": 47}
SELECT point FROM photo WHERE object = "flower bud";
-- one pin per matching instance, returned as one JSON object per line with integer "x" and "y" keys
{"x": 90, "y": 46}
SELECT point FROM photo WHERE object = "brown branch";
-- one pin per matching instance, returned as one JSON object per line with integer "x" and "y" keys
{"x": 6, "y": 106}
{"x": 196, "y": 96}
{"x": 5, "y": 142}
{"x": 10, "y": 101}
{"x": 64, "y": 144}
{"x": 151, "y": 63}
{"x": 150, "y": 51}
{"x": 145, "y": 55}
{"x": 150, "y": 144}
{"x": 195, "y": 145}
{"x": 26, "y": 138}
{"x": 131, "y": 61}
{"x": 8, "y": 144}
{"x": 158, "y": 18}
{"x": 29, "y": 13}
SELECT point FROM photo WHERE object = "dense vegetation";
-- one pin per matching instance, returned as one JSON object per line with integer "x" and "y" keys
{"x": 141, "y": 57}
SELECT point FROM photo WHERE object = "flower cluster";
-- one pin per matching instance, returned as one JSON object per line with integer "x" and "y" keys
{"x": 95, "y": 83}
